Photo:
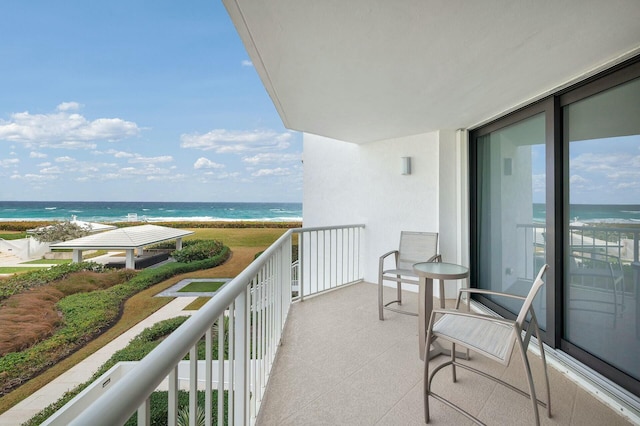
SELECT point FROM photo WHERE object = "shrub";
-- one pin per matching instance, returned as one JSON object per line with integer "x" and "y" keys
{"x": 85, "y": 316}
{"x": 19, "y": 283}
{"x": 27, "y": 318}
{"x": 60, "y": 231}
{"x": 160, "y": 407}
{"x": 199, "y": 251}
{"x": 139, "y": 346}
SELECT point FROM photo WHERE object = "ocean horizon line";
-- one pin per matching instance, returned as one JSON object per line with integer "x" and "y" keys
{"x": 144, "y": 211}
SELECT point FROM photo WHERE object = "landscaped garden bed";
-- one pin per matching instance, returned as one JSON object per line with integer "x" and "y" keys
{"x": 81, "y": 313}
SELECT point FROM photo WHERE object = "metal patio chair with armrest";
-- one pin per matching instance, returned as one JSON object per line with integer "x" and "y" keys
{"x": 489, "y": 336}
{"x": 596, "y": 283}
{"x": 414, "y": 247}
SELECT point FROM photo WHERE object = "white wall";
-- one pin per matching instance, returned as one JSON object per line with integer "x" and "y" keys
{"x": 346, "y": 183}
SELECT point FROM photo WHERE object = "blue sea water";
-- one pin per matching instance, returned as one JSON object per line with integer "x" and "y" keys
{"x": 596, "y": 213}
{"x": 104, "y": 211}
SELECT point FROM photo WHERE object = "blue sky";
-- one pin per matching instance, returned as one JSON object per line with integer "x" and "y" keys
{"x": 136, "y": 101}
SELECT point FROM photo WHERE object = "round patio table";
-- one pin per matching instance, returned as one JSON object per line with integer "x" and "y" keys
{"x": 427, "y": 272}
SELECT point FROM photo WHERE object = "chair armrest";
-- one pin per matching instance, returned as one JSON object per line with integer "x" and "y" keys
{"x": 387, "y": 254}
{"x": 383, "y": 257}
{"x": 470, "y": 291}
{"x": 435, "y": 258}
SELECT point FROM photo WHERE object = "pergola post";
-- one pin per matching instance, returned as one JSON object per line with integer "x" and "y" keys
{"x": 140, "y": 251}
{"x": 178, "y": 243}
{"x": 130, "y": 262}
{"x": 77, "y": 256}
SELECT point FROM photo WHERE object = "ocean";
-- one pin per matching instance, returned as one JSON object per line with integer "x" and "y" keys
{"x": 596, "y": 213}
{"x": 107, "y": 211}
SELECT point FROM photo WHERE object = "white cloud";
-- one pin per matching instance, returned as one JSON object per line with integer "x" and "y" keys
{"x": 593, "y": 162}
{"x": 122, "y": 154}
{"x": 247, "y": 63}
{"x": 217, "y": 175}
{"x": 9, "y": 162}
{"x": 151, "y": 160}
{"x": 272, "y": 172}
{"x": 577, "y": 180}
{"x": 63, "y": 129}
{"x": 227, "y": 141}
{"x": 72, "y": 145}
{"x": 68, "y": 106}
{"x": 65, "y": 159}
{"x": 170, "y": 178}
{"x": 271, "y": 157}
{"x": 33, "y": 178}
{"x": 36, "y": 154}
{"x": 205, "y": 163}
{"x": 45, "y": 164}
{"x": 51, "y": 170}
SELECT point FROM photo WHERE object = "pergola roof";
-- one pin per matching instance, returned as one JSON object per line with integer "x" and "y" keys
{"x": 124, "y": 238}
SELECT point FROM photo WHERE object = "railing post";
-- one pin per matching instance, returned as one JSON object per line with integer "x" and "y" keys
{"x": 301, "y": 266}
{"x": 193, "y": 384}
{"x": 172, "y": 412}
{"x": 144, "y": 413}
{"x": 242, "y": 360}
{"x": 208, "y": 377}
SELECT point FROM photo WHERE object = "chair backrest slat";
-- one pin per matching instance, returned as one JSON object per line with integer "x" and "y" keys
{"x": 416, "y": 247}
{"x": 537, "y": 284}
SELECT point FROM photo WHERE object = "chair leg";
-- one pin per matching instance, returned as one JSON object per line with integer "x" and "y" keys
{"x": 532, "y": 390}
{"x": 425, "y": 380}
{"x": 546, "y": 374}
{"x": 441, "y": 294}
{"x": 399, "y": 291}
{"x": 453, "y": 360}
{"x": 380, "y": 299}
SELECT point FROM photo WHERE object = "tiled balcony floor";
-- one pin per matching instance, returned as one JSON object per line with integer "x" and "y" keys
{"x": 340, "y": 365}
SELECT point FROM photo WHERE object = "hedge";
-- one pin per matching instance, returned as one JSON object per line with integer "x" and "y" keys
{"x": 137, "y": 349}
{"x": 86, "y": 315}
{"x": 199, "y": 251}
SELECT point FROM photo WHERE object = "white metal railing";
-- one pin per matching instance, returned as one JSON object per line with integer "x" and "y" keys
{"x": 329, "y": 257}
{"x": 247, "y": 317}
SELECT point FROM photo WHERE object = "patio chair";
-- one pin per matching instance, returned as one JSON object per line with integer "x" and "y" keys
{"x": 596, "y": 283}
{"x": 489, "y": 336}
{"x": 414, "y": 247}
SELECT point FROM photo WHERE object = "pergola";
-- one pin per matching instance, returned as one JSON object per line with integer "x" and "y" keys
{"x": 131, "y": 240}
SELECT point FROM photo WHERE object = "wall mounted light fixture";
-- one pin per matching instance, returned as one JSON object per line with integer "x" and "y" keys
{"x": 406, "y": 165}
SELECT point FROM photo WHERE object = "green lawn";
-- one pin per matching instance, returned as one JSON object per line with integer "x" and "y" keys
{"x": 202, "y": 286}
{"x": 47, "y": 262}
{"x": 17, "y": 269}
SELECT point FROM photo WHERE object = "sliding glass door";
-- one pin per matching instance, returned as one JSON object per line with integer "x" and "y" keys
{"x": 558, "y": 182}
{"x": 602, "y": 136}
{"x": 511, "y": 210}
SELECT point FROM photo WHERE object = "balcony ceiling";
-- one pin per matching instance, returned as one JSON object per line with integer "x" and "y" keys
{"x": 366, "y": 70}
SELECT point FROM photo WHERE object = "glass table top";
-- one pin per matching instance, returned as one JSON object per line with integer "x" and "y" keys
{"x": 440, "y": 270}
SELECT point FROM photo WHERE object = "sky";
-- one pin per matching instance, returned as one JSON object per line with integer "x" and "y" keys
{"x": 136, "y": 101}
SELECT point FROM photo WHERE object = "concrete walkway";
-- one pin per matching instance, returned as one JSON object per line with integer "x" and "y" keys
{"x": 83, "y": 371}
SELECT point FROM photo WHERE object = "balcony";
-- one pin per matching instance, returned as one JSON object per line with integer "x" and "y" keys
{"x": 326, "y": 359}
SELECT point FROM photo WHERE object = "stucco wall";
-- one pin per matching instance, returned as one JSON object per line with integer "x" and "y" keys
{"x": 346, "y": 183}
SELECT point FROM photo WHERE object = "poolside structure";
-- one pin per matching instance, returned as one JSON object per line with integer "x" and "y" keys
{"x": 131, "y": 239}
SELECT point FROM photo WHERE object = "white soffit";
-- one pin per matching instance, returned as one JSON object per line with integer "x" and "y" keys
{"x": 365, "y": 70}
{"x": 125, "y": 238}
